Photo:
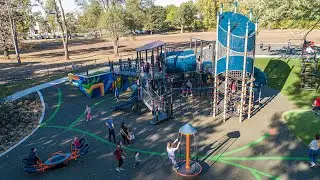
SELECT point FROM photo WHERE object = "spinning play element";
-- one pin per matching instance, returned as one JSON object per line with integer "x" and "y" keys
{"x": 188, "y": 167}
{"x": 57, "y": 159}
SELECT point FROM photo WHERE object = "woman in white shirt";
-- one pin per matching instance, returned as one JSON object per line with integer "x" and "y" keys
{"x": 313, "y": 150}
{"x": 171, "y": 150}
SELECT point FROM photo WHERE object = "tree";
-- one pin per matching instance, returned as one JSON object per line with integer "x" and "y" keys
{"x": 72, "y": 22}
{"x": 186, "y": 14}
{"x": 274, "y": 11}
{"x": 14, "y": 20}
{"x": 113, "y": 22}
{"x": 52, "y": 7}
{"x": 155, "y": 19}
{"x": 134, "y": 15}
{"x": 91, "y": 14}
{"x": 171, "y": 14}
{"x": 208, "y": 12}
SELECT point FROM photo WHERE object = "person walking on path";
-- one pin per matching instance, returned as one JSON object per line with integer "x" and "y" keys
{"x": 171, "y": 152}
{"x": 116, "y": 94}
{"x": 119, "y": 154}
{"x": 313, "y": 150}
{"x": 124, "y": 134}
{"x": 269, "y": 48}
{"x": 88, "y": 111}
{"x": 110, "y": 125}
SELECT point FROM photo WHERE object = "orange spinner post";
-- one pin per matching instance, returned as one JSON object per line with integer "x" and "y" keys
{"x": 187, "y": 151}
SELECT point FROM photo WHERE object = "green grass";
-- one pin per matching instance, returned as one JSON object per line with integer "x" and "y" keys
{"x": 304, "y": 124}
{"x": 10, "y": 88}
{"x": 283, "y": 75}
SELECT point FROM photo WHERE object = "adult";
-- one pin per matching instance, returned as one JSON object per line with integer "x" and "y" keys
{"x": 313, "y": 150}
{"x": 124, "y": 134}
{"x": 171, "y": 152}
{"x": 33, "y": 157}
{"x": 110, "y": 125}
{"x": 118, "y": 154}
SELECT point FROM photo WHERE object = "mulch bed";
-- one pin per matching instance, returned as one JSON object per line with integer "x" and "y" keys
{"x": 18, "y": 119}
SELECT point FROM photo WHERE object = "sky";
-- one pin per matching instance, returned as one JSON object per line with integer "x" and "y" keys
{"x": 70, "y": 6}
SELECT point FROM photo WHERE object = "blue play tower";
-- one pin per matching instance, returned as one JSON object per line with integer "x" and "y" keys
{"x": 235, "y": 74}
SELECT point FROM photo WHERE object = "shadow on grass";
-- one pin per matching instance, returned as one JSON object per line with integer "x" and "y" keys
{"x": 304, "y": 124}
{"x": 302, "y": 98}
{"x": 277, "y": 72}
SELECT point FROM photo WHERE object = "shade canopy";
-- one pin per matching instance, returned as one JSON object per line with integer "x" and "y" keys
{"x": 187, "y": 129}
{"x": 150, "y": 46}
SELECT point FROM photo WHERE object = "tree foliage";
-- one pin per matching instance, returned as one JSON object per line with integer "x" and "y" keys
{"x": 155, "y": 19}
{"x": 172, "y": 11}
{"x": 134, "y": 15}
{"x": 14, "y": 22}
{"x": 208, "y": 12}
{"x": 186, "y": 15}
{"x": 91, "y": 13}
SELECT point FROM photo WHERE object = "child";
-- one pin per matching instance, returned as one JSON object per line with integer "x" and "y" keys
{"x": 171, "y": 152}
{"x": 313, "y": 150}
{"x": 76, "y": 143}
{"x": 189, "y": 88}
{"x": 136, "y": 160}
{"x": 233, "y": 87}
{"x": 131, "y": 135}
{"x": 88, "y": 111}
{"x": 116, "y": 94}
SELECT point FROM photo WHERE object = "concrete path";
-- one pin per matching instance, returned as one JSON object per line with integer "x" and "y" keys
{"x": 259, "y": 148}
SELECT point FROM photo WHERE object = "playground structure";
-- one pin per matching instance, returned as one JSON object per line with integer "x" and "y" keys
{"x": 57, "y": 159}
{"x": 309, "y": 74}
{"x": 188, "y": 167}
{"x": 235, "y": 76}
{"x": 220, "y": 74}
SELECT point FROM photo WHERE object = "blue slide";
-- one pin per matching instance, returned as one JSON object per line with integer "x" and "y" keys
{"x": 130, "y": 101}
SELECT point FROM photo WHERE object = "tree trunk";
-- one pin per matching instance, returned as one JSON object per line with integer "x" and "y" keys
{"x": 14, "y": 34}
{"x": 115, "y": 47}
{"x": 182, "y": 28}
{"x": 65, "y": 29}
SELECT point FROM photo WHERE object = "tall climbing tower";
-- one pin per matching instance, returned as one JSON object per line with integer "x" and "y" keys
{"x": 234, "y": 65}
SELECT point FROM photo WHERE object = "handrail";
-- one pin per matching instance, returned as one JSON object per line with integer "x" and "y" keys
{"x": 148, "y": 98}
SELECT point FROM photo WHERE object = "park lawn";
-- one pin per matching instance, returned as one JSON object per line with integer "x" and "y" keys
{"x": 304, "y": 124}
{"x": 283, "y": 75}
{"x": 13, "y": 87}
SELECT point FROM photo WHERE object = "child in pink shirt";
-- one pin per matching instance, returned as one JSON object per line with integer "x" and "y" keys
{"x": 88, "y": 111}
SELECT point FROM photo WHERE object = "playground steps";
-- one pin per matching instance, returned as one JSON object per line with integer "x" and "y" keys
{"x": 162, "y": 117}
{"x": 151, "y": 99}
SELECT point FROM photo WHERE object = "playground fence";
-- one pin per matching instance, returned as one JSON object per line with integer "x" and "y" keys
{"x": 51, "y": 71}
